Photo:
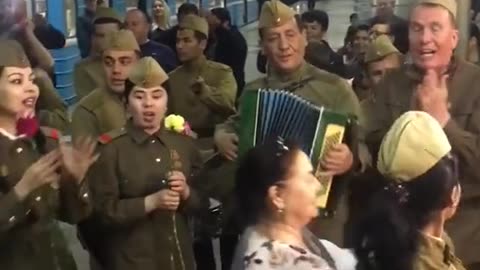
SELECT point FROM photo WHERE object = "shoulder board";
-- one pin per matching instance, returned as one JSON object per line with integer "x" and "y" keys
{"x": 112, "y": 135}
{"x": 51, "y": 133}
{"x": 218, "y": 65}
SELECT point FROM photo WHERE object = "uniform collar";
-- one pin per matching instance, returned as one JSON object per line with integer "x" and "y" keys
{"x": 297, "y": 75}
{"x": 437, "y": 251}
{"x": 9, "y": 135}
{"x": 289, "y": 82}
{"x": 113, "y": 95}
{"x": 139, "y": 135}
{"x": 196, "y": 64}
{"x": 416, "y": 74}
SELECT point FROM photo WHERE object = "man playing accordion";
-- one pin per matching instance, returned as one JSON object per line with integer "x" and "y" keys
{"x": 283, "y": 41}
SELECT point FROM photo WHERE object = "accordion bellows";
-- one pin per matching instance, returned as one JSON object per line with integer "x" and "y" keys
{"x": 268, "y": 114}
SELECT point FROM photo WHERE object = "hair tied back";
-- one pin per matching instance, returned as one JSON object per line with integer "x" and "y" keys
{"x": 399, "y": 191}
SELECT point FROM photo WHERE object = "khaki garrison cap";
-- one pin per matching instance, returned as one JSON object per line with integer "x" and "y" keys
{"x": 196, "y": 23}
{"x": 12, "y": 54}
{"x": 147, "y": 73}
{"x": 106, "y": 13}
{"x": 274, "y": 13}
{"x": 450, "y": 5}
{"x": 412, "y": 146}
{"x": 122, "y": 40}
{"x": 379, "y": 48}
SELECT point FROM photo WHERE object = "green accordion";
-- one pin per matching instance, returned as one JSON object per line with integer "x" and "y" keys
{"x": 267, "y": 114}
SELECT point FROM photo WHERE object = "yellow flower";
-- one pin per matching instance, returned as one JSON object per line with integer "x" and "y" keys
{"x": 175, "y": 122}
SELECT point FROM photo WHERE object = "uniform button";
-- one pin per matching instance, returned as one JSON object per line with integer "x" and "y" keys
{"x": 19, "y": 150}
{"x": 170, "y": 238}
{"x": 38, "y": 198}
{"x": 12, "y": 219}
{"x": 153, "y": 141}
{"x": 158, "y": 160}
{"x": 85, "y": 195}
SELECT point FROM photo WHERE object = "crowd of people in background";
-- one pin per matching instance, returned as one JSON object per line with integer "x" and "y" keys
{"x": 154, "y": 136}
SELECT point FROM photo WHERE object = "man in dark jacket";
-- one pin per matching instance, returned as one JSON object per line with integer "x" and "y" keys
{"x": 85, "y": 27}
{"x": 230, "y": 47}
{"x": 318, "y": 51}
{"x": 169, "y": 37}
{"x": 50, "y": 37}
{"x": 139, "y": 23}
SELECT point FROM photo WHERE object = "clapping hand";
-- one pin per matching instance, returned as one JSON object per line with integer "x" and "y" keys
{"x": 78, "y": 158}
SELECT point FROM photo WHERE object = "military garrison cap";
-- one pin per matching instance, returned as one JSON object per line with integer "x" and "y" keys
{"x": 147, "y": 73}
{"x": 379, "y": 48}
{"x": 106, "y": 13}
{"x": 450, "y": 5}
{"x": 274, "y": 13}
{"x": 122, "y": 40}
{"x": 412, "y": 146}
{"x": 12, "y": 54}
{"x": 196, "y": 23}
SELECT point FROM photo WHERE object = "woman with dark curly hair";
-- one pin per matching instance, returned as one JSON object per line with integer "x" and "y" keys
{"x": 276, "y": 191}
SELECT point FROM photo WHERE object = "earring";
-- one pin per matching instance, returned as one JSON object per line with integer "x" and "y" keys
{"x": 280, "y": 210}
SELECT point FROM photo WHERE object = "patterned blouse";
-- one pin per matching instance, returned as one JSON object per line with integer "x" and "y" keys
{"x": 256, "y": 252}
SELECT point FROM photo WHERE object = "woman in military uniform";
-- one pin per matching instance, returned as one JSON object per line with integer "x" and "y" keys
{"x": 141, "y": 183}
{"x": 403, "y": 226}
{"x": 39, "y": 181}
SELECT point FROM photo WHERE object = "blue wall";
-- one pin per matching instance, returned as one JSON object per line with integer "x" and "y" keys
{"x": 65, "y": 58}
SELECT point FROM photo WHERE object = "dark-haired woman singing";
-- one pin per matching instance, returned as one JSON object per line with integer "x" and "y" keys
{"x": 403, "y": 227}
{"x": 41, "y": 180}
{"x": 143, "y": 182}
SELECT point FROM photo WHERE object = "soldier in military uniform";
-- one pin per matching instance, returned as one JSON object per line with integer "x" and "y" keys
{"x": 448, "y": 89}
{"x": 103, "y": 109}
{"x": 88, "y": 73}
{"x": 41, "y": 179}
{"x": 283, "y": 41}
{"x": 203, "y": 91}
{"x": 143, "y": 182}
{"x": 380, "y": 57}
